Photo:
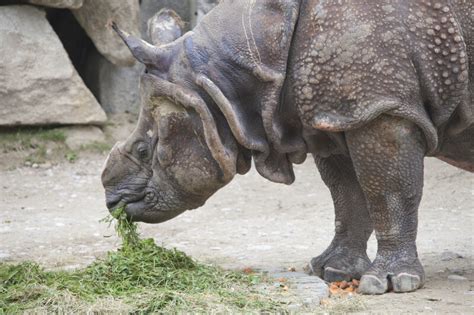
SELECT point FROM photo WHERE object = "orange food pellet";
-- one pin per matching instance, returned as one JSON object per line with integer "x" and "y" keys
{"x": 343, "y": 287}
{"x": 333, "y": 286}
{"x": 350, "y": 289}
{"x": 247, "y": 270}
{"x": 334, "y": 290}
{"x": 344, "y": 284}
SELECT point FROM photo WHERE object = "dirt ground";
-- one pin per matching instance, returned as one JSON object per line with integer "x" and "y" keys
{"x": 50, "y": 214}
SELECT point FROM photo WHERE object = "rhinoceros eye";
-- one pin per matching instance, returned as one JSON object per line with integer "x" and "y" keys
{"x": 143, "y": 151}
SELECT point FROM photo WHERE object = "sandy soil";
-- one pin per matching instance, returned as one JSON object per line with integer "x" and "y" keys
{"x": 51, "y": 215}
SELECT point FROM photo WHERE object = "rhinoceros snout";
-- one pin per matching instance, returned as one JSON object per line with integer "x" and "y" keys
{"x": 113, "y": 165}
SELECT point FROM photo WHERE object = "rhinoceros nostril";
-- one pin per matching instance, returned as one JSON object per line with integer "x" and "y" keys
{"x": 149, "y": 196}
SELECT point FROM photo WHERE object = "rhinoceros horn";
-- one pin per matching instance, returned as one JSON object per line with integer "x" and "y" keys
{"x": 152, "y": 56}
{"x": 141, "y": 50}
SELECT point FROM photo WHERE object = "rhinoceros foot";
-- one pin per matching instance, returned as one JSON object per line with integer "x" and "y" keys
{"x": 340, "y": 261}
{"x": 392, "y": 272}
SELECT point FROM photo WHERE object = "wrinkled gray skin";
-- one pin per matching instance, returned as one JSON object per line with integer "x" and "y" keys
{"x": 368, "y": 89}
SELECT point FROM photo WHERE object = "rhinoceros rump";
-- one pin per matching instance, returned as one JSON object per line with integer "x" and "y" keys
{"x": 369, "y": 90}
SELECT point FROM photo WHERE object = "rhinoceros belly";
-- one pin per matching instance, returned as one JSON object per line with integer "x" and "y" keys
{"x": 458, "y": 149}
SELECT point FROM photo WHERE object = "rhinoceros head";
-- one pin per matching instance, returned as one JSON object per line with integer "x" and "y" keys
{"x": 178, "y": 154}
{"x": 209, "y": 105}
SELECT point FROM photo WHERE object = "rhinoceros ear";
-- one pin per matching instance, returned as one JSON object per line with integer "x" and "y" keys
{"x": 242, "y": 131}
{"x": 164, "y": 27}
{"x": 250, "y": 135}
{"x": 239, "y": 53}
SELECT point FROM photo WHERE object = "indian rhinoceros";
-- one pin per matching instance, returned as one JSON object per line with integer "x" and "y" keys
{"x": 369, "y": 88}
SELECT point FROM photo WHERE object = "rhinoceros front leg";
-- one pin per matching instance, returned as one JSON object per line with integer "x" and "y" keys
{"x": 346, "y": 256}
{"x": 388, "y": 158}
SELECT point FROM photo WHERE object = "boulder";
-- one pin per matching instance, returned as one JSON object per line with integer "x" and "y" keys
{"x": 116, "y": 88}
{"x": 96, "y": 16}
{"x": 38, "y": 83}
{"x": 63, "y": 4}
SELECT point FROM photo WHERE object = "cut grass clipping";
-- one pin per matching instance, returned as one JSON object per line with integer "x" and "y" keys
{"x": 139, "y": 277}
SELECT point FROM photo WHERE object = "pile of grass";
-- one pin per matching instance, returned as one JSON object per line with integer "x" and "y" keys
{"x": 139, "y": 277}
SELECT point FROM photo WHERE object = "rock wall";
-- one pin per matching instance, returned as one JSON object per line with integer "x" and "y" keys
{"x": 60, "y": 62}
{"x": 96, "y": 16}
{"x": 38, "y": 83}
{"x": 64, "y": 4}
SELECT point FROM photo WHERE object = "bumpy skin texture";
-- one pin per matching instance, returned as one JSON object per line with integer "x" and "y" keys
{"x": 356, "y": 60}
{"x": 368, "y": 88}
{"x": 395, "y": 80}
{"x": 392, "y": 181}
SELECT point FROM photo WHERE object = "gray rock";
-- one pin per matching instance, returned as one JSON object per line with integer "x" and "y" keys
{"x": 38, "y": 83}
{"x": 116, "y": 88}
{"x": 96, "y": 16}
{"x": 119, "y": 88}
{"x": 65, "y": 4}
{"x": 449, "y": 255}
{"x": 79, "y": 136}
{"x": 310, "y": 290}
{"x": 456, "y": 278}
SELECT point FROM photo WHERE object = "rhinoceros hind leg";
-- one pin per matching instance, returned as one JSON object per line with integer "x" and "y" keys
{"x": 388, "y": 158}
{"x": 346, "y": 257}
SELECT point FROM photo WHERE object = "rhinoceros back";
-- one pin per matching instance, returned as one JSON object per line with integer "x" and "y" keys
{"x": 356, "y": 60}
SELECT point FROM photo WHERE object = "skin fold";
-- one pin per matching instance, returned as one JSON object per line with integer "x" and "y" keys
{"x": 368, "y": 89}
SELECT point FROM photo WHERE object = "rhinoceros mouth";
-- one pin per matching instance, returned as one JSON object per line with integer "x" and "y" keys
{"x": 144, "y": 212}
{"x": 153, "y": 208}
{"x": 147, "y": 207}
{"x": 115, "y": 200}
{"x": 130, "y": 204}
